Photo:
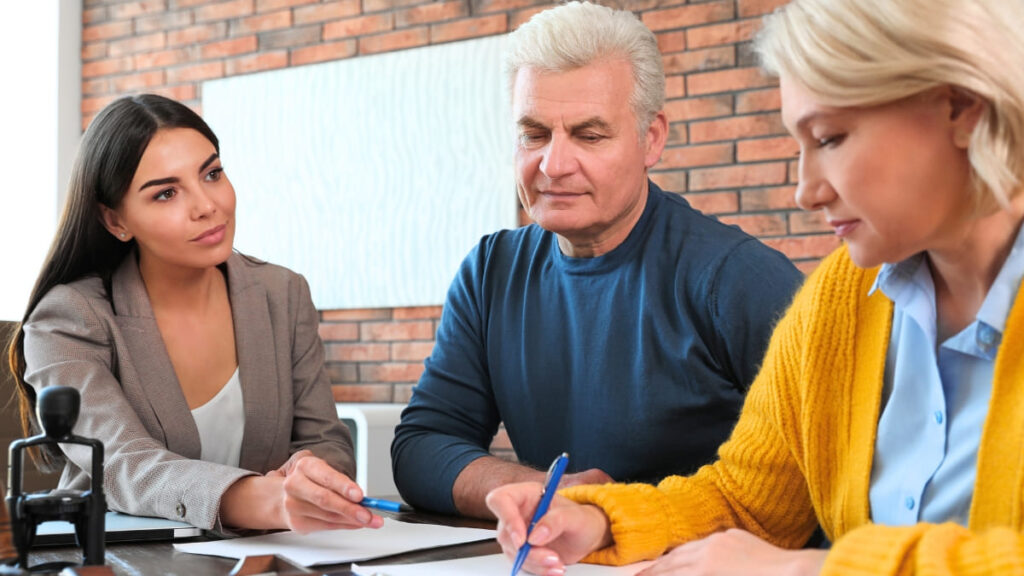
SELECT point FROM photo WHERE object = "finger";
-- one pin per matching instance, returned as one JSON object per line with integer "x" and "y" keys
{"x": 322, "y": 502}
{"x": 508, "y": 504}
{"x": 324, "y": 475}
{"x": 289, "y": 465}
{"x": 542, "y": 560}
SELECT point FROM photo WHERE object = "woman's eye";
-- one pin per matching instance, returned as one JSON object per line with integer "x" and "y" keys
{"x": 214, "y": 175}
{"x": 164, "y": 194}
{"x": 830, "y": 140}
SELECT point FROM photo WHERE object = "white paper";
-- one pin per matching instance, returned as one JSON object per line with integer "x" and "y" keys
{"x": 495, "y": 564}
{"x": 337, "y": 546}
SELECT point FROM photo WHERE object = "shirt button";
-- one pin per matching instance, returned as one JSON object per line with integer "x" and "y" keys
{"x": 938, "y": 416}
{"x": 909, "y": 503}
{"x": 180, "y": 509}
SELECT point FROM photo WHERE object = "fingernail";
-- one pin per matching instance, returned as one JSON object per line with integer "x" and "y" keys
{"x": 550, "y": 561}
{"x": 556, "y": 572}
{"x": 353, "y": 494}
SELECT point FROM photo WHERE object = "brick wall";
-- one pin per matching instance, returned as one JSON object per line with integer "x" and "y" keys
{"x": 727, "y": 150}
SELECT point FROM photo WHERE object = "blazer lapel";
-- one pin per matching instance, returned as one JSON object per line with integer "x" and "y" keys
{"x": 257, "y": 364}
{"x": 152, "y": 364}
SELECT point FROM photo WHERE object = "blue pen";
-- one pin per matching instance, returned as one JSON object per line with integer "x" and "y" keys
{"x": 550, "y": 486}
{"x": 381, "y": 504}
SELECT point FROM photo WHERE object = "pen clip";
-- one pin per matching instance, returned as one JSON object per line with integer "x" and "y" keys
{"x": 551, "y": 471}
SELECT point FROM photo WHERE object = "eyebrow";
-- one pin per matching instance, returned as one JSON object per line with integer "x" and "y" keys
{"x": 592, "y": 122}
{"x": 172, "y": 179}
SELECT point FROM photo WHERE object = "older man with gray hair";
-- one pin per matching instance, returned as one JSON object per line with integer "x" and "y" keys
{"x": 623, "y": 327}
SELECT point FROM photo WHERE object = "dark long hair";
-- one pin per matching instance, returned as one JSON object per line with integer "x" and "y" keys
{"x": 107, "y": 158}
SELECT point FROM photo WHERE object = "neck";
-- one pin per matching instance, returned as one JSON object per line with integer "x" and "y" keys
{"x": 590, "y": 245}
{"x": 180, "y": 288}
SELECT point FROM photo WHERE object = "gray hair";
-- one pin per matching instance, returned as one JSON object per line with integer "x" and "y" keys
{"x": 577, "y": 34}
{"x": 871, "y": 52}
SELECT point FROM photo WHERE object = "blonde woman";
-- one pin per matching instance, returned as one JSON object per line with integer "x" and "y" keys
{"x": 890, "y": 406}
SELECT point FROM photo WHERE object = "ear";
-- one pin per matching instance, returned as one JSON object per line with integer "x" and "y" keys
{"x": 112, "y": 222}
{"x": 965, "y": 109}
{"x": 655, "y": 139}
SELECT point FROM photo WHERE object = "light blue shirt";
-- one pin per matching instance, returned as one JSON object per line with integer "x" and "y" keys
{"x": 935, "y": 398}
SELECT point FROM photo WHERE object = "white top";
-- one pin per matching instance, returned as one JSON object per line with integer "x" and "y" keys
{"x": 221, "y": 423}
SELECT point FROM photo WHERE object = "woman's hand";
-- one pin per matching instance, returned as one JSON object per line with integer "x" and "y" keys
{"x": 739, "y": 553}
{"x": 567, "y": 533}
{"x": 318, "y": 497}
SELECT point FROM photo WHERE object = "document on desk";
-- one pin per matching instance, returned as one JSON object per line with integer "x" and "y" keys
{"x": 482, "y": 565}
{"x": 337, "y": 546}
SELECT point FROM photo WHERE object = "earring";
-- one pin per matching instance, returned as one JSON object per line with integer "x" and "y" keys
{"x": 121, "y": 235}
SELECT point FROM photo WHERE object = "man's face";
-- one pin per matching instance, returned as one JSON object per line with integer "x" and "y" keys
{"x": 580, "y": 164}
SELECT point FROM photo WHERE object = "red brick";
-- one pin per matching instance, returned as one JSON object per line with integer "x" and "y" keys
{"x": 359, "y": 26}
{"x": 688, "y": 15}
{"x": 677, "y": 134}
{"x": 521, "y": 17}
{"x": 94, "y": 87}
{"x": 106, "y": 67}
{"x": 403, "y": 393}
{"x": 736, "y": 127}
{"x": 738, "y": 176}
{"x": 408, "y": 38}
{"x": 262, "y": 23}
{"x": 691, "y": 156}
{"x": 137, "y": 82}
{"x": 228, "y": 48}
{"x": 808, "y": 223}
{"x": 342, "y": 372}
{"x": 727, "y": 81}
{"x": 807, "y": 266}
{"x": 94, "y": 15}
{"x": 195, "y": 72}
{"x": 145, "y": 43}
{"x": 326, "y": 11}
{"x": 675, "y": 87}
{"x": 718, "y": 34}
{"x": 390, "y": 372}
{"x": 779, "y": 148}
{"x": 671, "y": 42}
{"x": 90, "y": 105}
{"x": 197, "y": 34}
{"x": 361, "y": 392}
{"x": 432, "y": 12}
{"x": 484, "y": 6}
{"x": 674, "y": 181}
{"x": 469, "y": 28}
{"x": 291, "y": 37}
{"x": 356, "y": 314}
{"x": 182, "y": 93}
{"x": 224, "y": 10}
{"x": 758, "y": 101}
{"x": 256, "y": 63}
{"x": 323, "y": 52}
{"x": 338, "y": 331}
{"x": 94, "y": 50}
{"x": 714, "y": 202}
{"x": 696, "y": 60}
{"x": 777, "y": 198}
{"x": 759, "y": 225}
{"x": 166, "y": 21}
{"x": 796, "y": 247}
{"x": 106, "y": 31}
{"x": 411, "y": 351}
{"x": 358, "y": 352}
{"x": 390, "y": 331}
{"x": 161, "y": 59}
{"x": 749, "y": 8}
{"x": 140, "y": 8}
{"x": 794, "y": 171}
{"x": 418, "y": 313}
{"x": 697, "y": 108}
{"x": 272, "y": 5}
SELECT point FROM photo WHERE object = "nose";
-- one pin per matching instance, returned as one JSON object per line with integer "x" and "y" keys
{"x": 813, "y": 190}
{"x": 559, "y": 159}
{"x": 202, "y": 203}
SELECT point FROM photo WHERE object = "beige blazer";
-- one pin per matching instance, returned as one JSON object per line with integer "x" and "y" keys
{"x": 112, "y": 352}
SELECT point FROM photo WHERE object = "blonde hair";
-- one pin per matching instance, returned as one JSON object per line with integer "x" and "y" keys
{"x": 577, "y": 34}
{"x": 870, "y": 52}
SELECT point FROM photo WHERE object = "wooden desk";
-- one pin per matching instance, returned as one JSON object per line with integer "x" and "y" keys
{"x": 147, "y": 559}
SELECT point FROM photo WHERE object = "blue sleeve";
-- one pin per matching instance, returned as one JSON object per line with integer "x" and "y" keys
{"x": 750, "y": 291}
{"x": 452, "y": 417}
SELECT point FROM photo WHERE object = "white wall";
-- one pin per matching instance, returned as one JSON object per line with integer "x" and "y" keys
{"x": 40, "y": 64}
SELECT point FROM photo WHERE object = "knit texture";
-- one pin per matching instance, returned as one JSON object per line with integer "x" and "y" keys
{"x": 803, "y": 447}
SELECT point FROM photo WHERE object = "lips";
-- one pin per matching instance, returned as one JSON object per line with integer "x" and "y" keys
{"x": 212, "y": 235}
{"x": 843, "y": 227}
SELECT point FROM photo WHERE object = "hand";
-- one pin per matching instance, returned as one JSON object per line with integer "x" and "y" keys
{"x": 318, "y": 497}
{"x": 567, "y": 533}
{"x": 591, "y": 476}
{"x": 739, "y": 553}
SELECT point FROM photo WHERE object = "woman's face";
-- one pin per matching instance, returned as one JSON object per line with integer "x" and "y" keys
{"x": 180, "y": 207}
{"x": 892, "y": 180}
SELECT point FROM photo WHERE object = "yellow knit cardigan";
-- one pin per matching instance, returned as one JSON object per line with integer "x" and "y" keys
{"x": 802, "y": 451}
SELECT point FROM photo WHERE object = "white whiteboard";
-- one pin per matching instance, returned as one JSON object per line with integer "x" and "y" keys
{"x": 372, "y": 176}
